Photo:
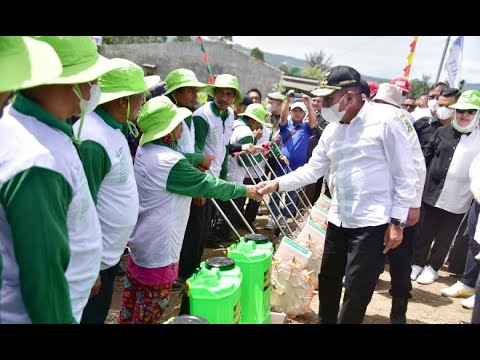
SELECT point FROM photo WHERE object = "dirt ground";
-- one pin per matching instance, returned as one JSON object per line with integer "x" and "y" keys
{"x": 427, "y": 305}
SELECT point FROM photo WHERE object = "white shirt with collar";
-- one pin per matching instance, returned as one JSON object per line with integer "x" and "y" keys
{"x": 371, "y": 167}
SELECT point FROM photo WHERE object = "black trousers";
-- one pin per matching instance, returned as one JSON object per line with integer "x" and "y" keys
{"x": 476, "y": 306}
{"x": 459, "y": 249}
{"x": 400, "y": 260}
{"x": 357, "y": 254}
{"x": 194, "y": 240}
{"x": 96, "y": 310}
{"x": 439, "y": 225}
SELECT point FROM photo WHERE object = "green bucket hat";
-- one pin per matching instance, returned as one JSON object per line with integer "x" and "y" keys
{"x": 179, "y": 78}
{"x": 128, "y": 79}
{"x": 26, "y": 62}
{"x": 226, "y": 81}
{"x": 80, "y": 59}
{"x": 469, "y": 99}
{"x": 158, "y": 117}
{"x": 257, "y": 112}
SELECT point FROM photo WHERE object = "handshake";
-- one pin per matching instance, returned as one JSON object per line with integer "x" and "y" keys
{"x": 256, "y": 192}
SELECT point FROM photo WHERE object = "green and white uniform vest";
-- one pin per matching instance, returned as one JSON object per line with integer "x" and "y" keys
{"x": 50, "y": 237}
{"x": 166, "y": 183}
{"x": 213, "y": 132}
{"x": 108, "y": 166}
{"x": 242, "y": 134}
{"x": 186, "y": 144}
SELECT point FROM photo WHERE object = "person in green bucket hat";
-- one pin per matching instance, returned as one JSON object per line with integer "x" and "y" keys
{"x": 245, "y": 129}
{"x": 466, "y": 111}
{"x": 51, "y": 240}
{"x": 166, "y": 184}
{"x": 182, "y": 89}
{"x": 25, "y": 62}
{"x": 108, "y": 166}
{"x": 213, "y": 128}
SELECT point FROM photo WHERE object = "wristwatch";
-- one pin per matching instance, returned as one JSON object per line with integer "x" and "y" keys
{"x": 401, "y": 224}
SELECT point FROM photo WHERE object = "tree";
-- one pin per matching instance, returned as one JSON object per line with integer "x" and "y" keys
{"x": 257, "y": 54}
{"x": 183, "y": 38}
{"x": 320, "y": 59}
{"x": 285, "y": 68}
{"x": 313, "y": 72}
{"x": 419, "y": 87}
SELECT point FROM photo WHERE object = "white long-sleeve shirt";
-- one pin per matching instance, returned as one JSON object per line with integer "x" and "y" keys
{"x": 474, "y": 174}
{"x": 407, "y": 122}
{"x": 371, "y": 165}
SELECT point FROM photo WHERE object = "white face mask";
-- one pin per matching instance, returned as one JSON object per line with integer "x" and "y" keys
{"x": 87, "y": 106}
{"x": 466, "y": 129}
{"x": 269, "y": 108}
{"x": 331, "y": 114}
{"x": 444, "y": 113}
{"x": 432, "y": 104}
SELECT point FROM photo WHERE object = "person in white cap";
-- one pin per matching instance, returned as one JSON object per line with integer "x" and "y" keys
{"x": 50, "y": 236}
{"x": 400, "y": 258}
{"x": 373, "y": 179}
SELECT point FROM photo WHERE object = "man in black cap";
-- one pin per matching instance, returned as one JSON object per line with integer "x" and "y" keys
{"x": 373, "y": 186}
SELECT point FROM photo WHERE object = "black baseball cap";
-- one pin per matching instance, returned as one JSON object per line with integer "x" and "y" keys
{"x": 337, "y": 78}
{"x": 364, "y": 87}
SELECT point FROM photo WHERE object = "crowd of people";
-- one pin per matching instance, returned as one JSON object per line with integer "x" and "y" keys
{"x": 97, "y": 159}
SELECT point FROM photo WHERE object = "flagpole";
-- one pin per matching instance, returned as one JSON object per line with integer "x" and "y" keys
{"x": 443, "y": 58}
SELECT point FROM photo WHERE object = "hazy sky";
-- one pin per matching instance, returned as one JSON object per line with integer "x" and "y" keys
{"x": 380, "y": 56}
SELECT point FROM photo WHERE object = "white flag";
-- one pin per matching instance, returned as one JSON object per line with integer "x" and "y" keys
{"x": 453, "y": 65}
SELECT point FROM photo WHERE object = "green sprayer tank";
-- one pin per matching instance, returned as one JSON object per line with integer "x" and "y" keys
{"x": 253, "y": 255}
{"x": 215, "y": 291}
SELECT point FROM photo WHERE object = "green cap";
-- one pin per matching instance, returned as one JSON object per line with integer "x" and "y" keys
{"x": 257, "y": 112}
{"x": 469, "y": 99}
{"x": 26, "y": 62}
{"x": 158, "y": 117}
{"x": 128, "y": 79}
{"x": 80, "y": 59}
{"x": 226, "y": 81}
{"x": 179, "y": 78}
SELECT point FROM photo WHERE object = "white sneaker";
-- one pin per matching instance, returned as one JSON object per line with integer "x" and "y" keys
{"x": 416, "y": 270}
{"x": 469, "y": 302}
{"x": 428, "y": 276}
{"x": 458, "y": 289}
{"x": 270, "y": 223}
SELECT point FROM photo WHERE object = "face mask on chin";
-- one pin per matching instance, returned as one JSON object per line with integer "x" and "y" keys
{"x": 465, "y": 129}
{"x": 444, "y": 113}
{"x": 332, "y": 114}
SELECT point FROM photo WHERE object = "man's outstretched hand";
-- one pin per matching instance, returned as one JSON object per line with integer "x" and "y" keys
{"x": 267, "y": 187}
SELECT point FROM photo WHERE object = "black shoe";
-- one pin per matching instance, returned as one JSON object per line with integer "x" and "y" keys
{"x": 398, "y": 315}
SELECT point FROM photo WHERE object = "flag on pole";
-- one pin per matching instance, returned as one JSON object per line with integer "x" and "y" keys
{"x": 211, "y": 78}
{"x": 406, "y": 70}
{"x": 453, "y": 65}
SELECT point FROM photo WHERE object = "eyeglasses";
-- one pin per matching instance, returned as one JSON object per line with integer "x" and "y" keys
{"x": 409, "y": 106}
{"x": 433, "y": 97}
{"x": 470, "y": 111}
